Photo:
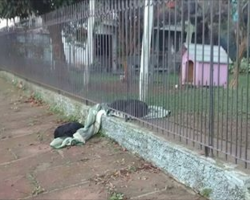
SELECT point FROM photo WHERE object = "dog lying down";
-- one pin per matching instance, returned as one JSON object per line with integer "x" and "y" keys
{"x": 132, "y": 107}
{"x": 67, "y": 130}
{"x": 138, "y": 109}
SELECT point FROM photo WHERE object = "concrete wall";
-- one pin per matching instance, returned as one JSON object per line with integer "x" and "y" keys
{"x": 201, "y": 174}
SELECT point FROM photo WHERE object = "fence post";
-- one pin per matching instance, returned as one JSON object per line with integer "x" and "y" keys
{"x": 90, "y": 41}
{"x": 145, "y": 55}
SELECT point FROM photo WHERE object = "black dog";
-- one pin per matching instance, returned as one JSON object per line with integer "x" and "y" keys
{"x": 132, "y": 107}
{"x": 67, "y": 130}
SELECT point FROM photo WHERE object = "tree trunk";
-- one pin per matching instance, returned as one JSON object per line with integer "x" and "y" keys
{"x": 124, "y": 55}
{"x": 125, "y": 67}
{"x": 57, "y": 43}
{"x": 235, "y": 81}
{"x": 58, "y": 54}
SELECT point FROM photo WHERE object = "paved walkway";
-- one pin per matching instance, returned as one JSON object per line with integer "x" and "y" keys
{"x": 30, "y": 169}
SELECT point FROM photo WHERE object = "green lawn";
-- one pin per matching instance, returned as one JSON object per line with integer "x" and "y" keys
{"x": 189, "y": 99}
{"x": 162, "y": 92}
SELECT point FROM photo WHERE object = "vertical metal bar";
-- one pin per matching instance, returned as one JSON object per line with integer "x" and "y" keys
{"x": 149, "y": 75}
{"x": 241, "y": 122}
{"x": 126, "y": 47}
{"x": 247, "y": 86}
{"x": 83, "y": 36}
{"x": 57, "y": 64}
{"x": 222, "y": 139}
{"x": 232, "y": 119}
{"x": 136, "y": 40}
{"x": 227, "y": 106}
{"x": 237, "y": 90}
{"x": 176, "y": 49}
{"x": 152, "y": 86}
{"x": 195, "y": 96}
{"x": 218, "y": 85}
{"x": 211, "y": 89}
{"x": 113, "y": 56}
{"x": 187, "y": 107}
{"x": 169, "y": 63}
{"x": 139, "y": 53}
{"x": 158, "y": 56}
{"x": 203, "y": 103}
{"x": 118, "y": 41}
{"x": 103, "y": 53}
{"x": 83, "y": 39}
{"x": 139, "y": 40}
{"x": 163, "y": 53}
{"x": 89, "y": 15}
{"x": 130, "y": 47}
{"x": 123, "y": 39}
{"x": 106, "y": 42}
{"x": 180, "y": 123}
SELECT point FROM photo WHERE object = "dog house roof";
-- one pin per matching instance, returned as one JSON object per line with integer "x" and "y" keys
{"x": 197, "y": 51}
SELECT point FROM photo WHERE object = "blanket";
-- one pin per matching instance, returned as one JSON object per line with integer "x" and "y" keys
{"x": 91, "y": 127}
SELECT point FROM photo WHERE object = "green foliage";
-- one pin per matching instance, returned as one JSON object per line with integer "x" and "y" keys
{"x": 244, "y": 67}
{"x": 206, "y": 192}
{"x": 100, "y": 134}
{"x": 12, "y": 8}
{"x": 24, "y": 8}
{"x": 117, "y": 196}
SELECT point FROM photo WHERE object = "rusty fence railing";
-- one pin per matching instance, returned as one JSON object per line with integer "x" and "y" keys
{"x": 187, "y": 56}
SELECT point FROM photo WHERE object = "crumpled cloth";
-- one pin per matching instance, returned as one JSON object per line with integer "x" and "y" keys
{"x": 91, "y": 127}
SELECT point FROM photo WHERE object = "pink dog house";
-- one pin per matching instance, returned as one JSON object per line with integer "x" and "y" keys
{"x": 195, "y": 69}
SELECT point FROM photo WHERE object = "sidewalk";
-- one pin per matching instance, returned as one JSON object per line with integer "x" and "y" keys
{"x": 30, "y": 169}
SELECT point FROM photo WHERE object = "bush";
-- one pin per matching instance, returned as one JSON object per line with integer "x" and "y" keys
{"x": 244, "y": 67}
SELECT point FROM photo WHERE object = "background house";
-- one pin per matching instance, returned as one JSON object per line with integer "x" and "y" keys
{"x": 104, "y": 48}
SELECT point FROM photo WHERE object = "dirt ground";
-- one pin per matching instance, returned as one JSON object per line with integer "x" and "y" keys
{"x": 101, "y": 169}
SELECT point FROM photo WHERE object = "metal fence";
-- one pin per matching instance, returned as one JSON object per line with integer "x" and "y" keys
{"x": 187, "y": 56}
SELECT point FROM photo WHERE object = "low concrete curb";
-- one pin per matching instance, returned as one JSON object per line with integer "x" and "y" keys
{"x": 201, "y": 174}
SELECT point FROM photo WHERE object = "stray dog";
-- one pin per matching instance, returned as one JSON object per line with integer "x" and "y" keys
{"x": 67, "y": 130}
{"x": 132, "y": 107}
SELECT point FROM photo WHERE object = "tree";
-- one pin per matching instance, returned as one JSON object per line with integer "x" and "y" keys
{"x": 25, "y": 8}
{"x": 130, "y": 29}
{"x": 10, "y": 8}
{"x": 236, "y": 13}
{"x": 240, "y": 12}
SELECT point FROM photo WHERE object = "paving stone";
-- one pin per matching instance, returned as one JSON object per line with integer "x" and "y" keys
{"x": 26, "y": 165}
{"x": 72, "y": 173}
{"x": 6, "y": 156}
{"x": 15, "y": 188}
{"x": 88, "y": 192}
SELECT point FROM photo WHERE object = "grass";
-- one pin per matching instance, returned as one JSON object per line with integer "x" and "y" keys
{"x": 116, "y": 196}
{"x": 37, "y": 189}
{"x": 206, "y": 192}
{"x": 163, "y": 93}
{"x": 100, "y": 134}
{"x": 224, "y": 100}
